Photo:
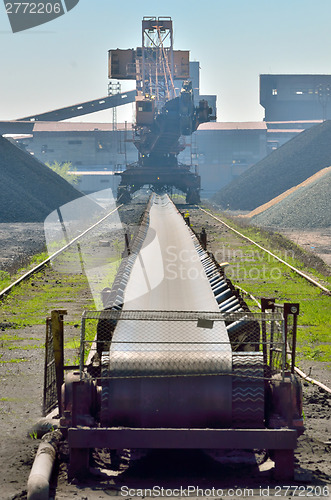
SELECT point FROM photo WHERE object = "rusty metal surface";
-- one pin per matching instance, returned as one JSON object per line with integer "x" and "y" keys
{"x": 50, "y": 398}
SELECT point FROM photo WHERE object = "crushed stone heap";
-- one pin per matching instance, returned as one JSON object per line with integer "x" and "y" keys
{"x": 288, "y": 166}
{"x": 30, "y": 190}
{"x": 308, "y": 207}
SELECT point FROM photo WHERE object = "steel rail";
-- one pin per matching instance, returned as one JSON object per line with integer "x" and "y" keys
{"x": 297, "y": 370}
{"x": 312, "y": 381}
{"x": 40, "y": 266}
{"x": 303, "y": 275}
{"x": 316, "y": 283}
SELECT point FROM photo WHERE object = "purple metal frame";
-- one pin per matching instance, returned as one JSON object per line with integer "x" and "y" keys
{"x": 281, "y": 442}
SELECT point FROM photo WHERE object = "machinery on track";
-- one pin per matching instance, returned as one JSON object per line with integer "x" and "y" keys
{"x": 165, "y": 112}
{"x": 177, "y": 360}
{"x": 162, "y": 116}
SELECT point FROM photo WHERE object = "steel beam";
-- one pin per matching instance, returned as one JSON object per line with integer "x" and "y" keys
{"x": 83, "y": 108}
{"x": 124, "y": 437}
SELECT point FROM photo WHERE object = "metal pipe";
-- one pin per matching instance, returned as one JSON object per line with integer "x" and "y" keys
{"x": 82, "y": 348}
{"x": 38, "y": 481}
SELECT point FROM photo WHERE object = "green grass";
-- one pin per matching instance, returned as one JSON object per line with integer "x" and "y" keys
{"x": 314, "y": 320}
{"x": 262, "y": 276}
{"x": 282, "y": 247}
{"x": 15, "y": 360}
{"x": 178, "y": 198}
{"x": 6, "y": 278}
{"x": 30, "y": 302}
{"x": 72, "y": 344}
{"x": 25, "y": 348}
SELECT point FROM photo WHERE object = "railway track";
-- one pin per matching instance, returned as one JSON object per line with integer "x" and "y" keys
{"x": 177, "y": 359}
{"x": 309, "y": 279}
{"x": 203, "y": 363}
{"x": 76, "y": 240}
{"x": 297, "y": 271}
{"x": 54, "y": 255}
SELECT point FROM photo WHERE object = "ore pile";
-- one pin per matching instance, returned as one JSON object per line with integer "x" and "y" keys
{"x": 288, "y": 166}
{"x": 306, "y": 208}
{"x": 29, "y": 190}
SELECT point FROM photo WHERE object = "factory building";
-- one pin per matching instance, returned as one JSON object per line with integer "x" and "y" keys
{"x": 88, "y": 145}
{"x": 223, "y": 151}
{"x": 293, "y": 103}
{"x": 295, "y": 97}
{"x": 95, "y": 150}
{"x": 220, "y": 151}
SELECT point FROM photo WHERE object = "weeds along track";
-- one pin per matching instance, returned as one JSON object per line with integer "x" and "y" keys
{"x": 74, "y": 235}
{"x": 56, "y": 254}
{"x": 264, "y": 264}
{"x": 78, "y": 238}
{"x": 151, "y": 470}
{"x": 274, "y": 256}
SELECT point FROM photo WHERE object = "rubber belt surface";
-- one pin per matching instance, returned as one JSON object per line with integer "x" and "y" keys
{"x": 155, "y": 363}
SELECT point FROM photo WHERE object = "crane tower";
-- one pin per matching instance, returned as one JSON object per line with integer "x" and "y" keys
{"x": 163, "y": 113}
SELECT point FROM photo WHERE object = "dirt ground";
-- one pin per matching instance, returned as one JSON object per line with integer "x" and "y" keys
{"x": 317, "y": 241}
{"x": 20, "y": 407}
{"x": 18, "y": 242}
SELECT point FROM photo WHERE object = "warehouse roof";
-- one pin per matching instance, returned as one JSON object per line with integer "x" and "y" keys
{"x": 77, "y": 127}
{"x": 233, "y": 126}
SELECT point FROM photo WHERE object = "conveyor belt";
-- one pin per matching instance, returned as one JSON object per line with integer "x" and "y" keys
{"x": 164, "y": 277}
{"x": 168, "y": 373}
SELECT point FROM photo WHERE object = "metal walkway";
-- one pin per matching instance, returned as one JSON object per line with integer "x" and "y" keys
{"x": 83, "y": 108}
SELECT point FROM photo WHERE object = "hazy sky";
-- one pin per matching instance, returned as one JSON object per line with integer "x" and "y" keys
{"x": 64, "y": 61}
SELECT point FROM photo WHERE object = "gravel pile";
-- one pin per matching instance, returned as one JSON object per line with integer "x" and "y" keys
{"x": 288, "y": 166}
{"x": 307, "y": 207}
{"x": 29, "y": 190}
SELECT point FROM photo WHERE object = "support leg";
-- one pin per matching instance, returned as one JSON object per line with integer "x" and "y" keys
{"x": 79, "y": 462}
{"x": 284, "y": 464}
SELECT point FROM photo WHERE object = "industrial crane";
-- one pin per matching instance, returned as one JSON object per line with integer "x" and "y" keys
{"x": 164, "y": 113}
{"x": 162, "y": 116}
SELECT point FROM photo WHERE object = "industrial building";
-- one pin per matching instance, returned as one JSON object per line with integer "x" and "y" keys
{"x": 95, "y": 150}
{"x": 218, "y": 151}
{"x": 225, "y": 150}
{"x": 221, "y": 151}
{"x": 295, "y": 97}
{"x": 87, "y": 145}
